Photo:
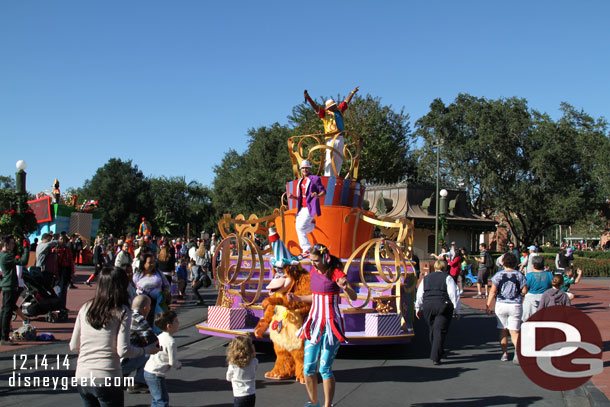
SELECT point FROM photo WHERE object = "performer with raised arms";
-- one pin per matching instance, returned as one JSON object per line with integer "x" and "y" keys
{"x": 332, "y": 117}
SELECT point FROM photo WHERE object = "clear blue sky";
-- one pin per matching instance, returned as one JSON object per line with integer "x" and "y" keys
{"x": 173, "y": 85}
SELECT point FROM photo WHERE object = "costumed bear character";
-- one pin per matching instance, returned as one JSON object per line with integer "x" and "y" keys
{"x": 284, "y": 318}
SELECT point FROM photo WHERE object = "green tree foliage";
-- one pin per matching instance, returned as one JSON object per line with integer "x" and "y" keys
{"x": 387, "y": 137}
{"x": 8, "y": 198}
{"x": 7, "y": 182}
{"x": 253, "y": 182}
{"x": 177, "y": 203}
{"x": 123, "y": 194}
{"x": 515, "y": 161}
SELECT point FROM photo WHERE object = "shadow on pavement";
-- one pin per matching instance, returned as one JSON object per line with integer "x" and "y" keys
{"x": 484, "y": 401}
{"x": 406, "y": 374}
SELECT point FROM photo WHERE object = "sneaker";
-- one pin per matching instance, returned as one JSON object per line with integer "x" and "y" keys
{"x": 87, "y": 283}
{"x": 309, "y": 404}
{"x": 461, "y": 292}
{"x": 26, "y": 321}
{"x": 504, "y": 357}
{"x": 138, "y": 388}
{"x": 515, "y": 359}
{"x": 436, "y": 362}
{"x": 477, "y": 296}
{"x": 72, "y": 287}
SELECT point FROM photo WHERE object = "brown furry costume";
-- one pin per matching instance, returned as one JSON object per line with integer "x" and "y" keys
{"x": 285, "y": 319}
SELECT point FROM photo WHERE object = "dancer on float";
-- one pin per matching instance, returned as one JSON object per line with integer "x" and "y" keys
{"x": 323, "y": 330}
{"x": 332, "y": 117}
{"x": 309, "y": 190}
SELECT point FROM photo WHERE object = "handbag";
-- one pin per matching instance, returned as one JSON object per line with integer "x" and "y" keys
{"x": 206, "y": 281}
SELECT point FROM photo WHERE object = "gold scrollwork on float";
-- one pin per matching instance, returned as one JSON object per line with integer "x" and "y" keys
{"x": 239, "y": 236}
{"x": 397, "y": 230}
{"x": 391, "y": 276}
{"x": 227, "y": 273}
{"x": 313, "y": 147}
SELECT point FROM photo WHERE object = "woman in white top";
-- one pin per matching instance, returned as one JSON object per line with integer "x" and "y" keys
{"x": 101, "y": 339}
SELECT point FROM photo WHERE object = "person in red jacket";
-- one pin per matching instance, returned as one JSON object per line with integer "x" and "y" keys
{"x": 455, "y": 265}
{"x": 65, "y": 269}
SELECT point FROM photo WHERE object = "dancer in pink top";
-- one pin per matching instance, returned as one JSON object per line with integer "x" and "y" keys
{"x": 323, "y": 330}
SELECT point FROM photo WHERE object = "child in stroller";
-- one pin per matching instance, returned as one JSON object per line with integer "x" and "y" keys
{"x": 39, "y": 297}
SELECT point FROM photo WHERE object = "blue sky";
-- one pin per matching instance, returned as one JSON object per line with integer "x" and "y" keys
{"x": 174, "y": 85}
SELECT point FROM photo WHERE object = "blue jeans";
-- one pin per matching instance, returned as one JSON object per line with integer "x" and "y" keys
{"x": 136, "y": 364}
{"x": 101, "y": 396}
{"x": 158, "y": 389}
{"x": 62, "y": 287}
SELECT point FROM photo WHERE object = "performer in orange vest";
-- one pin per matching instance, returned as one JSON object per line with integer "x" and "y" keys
{"x": 145, "y": 228}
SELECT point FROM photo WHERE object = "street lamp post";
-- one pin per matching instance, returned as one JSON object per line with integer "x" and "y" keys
{"x": 438, "y": 161}
{"x": 20, "y": 186}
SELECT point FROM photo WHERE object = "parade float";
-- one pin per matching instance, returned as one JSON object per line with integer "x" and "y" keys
{"x": 375, "y": 252}
{"x": 56, "y": 213}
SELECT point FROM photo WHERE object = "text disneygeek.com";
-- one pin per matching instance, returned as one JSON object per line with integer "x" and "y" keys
{"x": 65, "y": 383}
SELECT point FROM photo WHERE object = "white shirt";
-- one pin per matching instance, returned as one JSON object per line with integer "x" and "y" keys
{"x": 167, "y": 357}
{"x": 243, "y": 379}
{"x": 452, "y": 290}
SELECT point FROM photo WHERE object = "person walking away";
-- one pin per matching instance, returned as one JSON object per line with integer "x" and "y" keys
{"x": 140, "y": 334}
{"x": 9, "y": 284}
{"x": 562, "y": 261}
{"x": 197, "y": 273}
{"x": 538, "y": 281}
{"x": 242, "y": 361}
{"x": 530, "y": 258}
{"x": 65, "y": 271}
{"x": 323, "y": 329}
{"x": 167, "y": 260}
{"x": 507, "y": 289}
{"x": 159, "y": 364}
{"x": 554, "y": 295}
{"x": 437, "y": 298}
{"x": 101, "y": 337}
{"x": 98, "y": 260}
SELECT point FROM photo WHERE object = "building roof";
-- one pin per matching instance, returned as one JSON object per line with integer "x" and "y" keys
{"x": 418, "y": 203}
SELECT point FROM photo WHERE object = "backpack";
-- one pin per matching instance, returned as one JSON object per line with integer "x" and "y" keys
{"x": 489, "y": 261}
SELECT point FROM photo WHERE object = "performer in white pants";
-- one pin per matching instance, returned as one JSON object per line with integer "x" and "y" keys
{"x": 332, "y": 117}
{"x": 309, "y": 190}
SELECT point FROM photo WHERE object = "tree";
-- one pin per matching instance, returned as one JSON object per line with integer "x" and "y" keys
{"x": 253, "y": 182}
{"x": 7, "y": 183}
{"x": 387, "y": 137}
{"x": 515, "y": 161}
{"x": 177, "y": 204}
{"x": 123, "y": 194}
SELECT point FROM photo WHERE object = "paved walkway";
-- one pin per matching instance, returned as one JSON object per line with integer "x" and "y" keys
{"x": 592, "y": 297}
{"x": 377, "y": 375}
{"x": 76, "y": 298}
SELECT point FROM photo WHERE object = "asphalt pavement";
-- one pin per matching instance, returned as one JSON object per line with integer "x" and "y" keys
{"x": 396, "y": 375}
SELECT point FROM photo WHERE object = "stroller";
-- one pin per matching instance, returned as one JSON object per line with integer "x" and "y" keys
{"x": 469, "y": 277}
{"x": 39, "y": 297}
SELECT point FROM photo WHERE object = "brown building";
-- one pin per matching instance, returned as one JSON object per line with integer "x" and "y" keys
{"x": 417, "y": 203}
